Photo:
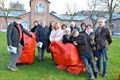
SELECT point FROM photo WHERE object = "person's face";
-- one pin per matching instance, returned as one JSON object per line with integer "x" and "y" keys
{"x": 36, "y": 23}
{"x": 43, "y": 23}
{"x": 88, "y": 28}
{"x": 52, "y": 24}
{"x": 73, "y": 24}
{"x": 56, "y": 27}
{"x": 101, "y": 23}
{"x": 18, "y": 21}
{"x": 76, "y": 34}
{"x": 64, "y": 27}
{"x": 83, "y": 27}
{"x": 68, "y": 32}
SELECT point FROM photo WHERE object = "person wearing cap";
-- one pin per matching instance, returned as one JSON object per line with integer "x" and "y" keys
{"x": 15, "y": 41}
{"x": 85, "y": 51}
{"x": 103, "y": 39}
{"x": 67, "y": 36}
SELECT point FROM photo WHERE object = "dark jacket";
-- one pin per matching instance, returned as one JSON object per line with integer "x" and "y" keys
{"x": 13, "y": 35}
{"x": 102, "y": 38}
{"x": 91, "y": 39}
{"x": 42, "y": 35}
{"x": 66, "y": 39}
{"x": 34, "y": 28}
{"x": 83, "y": 45}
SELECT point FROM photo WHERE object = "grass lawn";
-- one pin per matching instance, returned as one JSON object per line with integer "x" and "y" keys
{"x": 46, "y": 70}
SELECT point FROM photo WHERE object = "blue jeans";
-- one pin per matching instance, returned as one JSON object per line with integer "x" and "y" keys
{"x": 15, "y": 57}
{"x": 99, "y": 54}
{"x": 87, "y": 60}
{"x": 41, "y": 53}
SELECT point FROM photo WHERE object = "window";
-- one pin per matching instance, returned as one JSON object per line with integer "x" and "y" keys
{"x": 40, "y": 8}
{"x": 25, "y": 25}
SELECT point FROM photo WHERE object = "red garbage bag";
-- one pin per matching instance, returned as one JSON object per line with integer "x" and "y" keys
{"x": 76, "y": 69}
{"x": 67, "y": 55}
{"x": 61, "y": 67}
{"x": 28, "y": 51}
{"x": 58, "y": 52}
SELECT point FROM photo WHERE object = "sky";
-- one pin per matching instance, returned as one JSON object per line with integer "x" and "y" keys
{"x": 59, "y": 6}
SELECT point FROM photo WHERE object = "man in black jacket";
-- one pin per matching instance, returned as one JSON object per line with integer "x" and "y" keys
{"x": 14, "y": 41}
{"x": 42, "y": 37}
{"x": 85, "y": 51}
{"x": 36, "y": 24}
{"x": 103, "y": 38}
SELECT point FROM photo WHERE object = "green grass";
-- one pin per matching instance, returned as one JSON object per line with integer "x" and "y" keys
{"x": 46, "y": 70}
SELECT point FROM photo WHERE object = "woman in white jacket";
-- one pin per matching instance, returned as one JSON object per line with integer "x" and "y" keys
{"x": 57, "y": 33}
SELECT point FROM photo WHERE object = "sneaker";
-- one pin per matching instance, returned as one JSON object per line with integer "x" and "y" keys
{"x": 104, "y": 75}
{"x": 12, "y": 69}
{"x": 92, "y": 78}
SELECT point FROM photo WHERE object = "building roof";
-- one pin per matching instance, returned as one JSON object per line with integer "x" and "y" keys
{"x": 84, "y": 15}
{"x": 13, "y": 13}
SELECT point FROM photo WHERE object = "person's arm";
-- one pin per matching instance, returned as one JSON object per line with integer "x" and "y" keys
{"x": 91, "y": 39}
{"x": 109, "y": 36}
{"x": 26, "y": 32}
{"x": 9, "y": 34}
{"x": 37, "y": 36}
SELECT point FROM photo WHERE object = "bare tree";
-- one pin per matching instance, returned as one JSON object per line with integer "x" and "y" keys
{"x": 94, "y": 12}
{"x": 71, "y": 9}
{"x": 111, "y": 6}
{"x": 6, "y": 10}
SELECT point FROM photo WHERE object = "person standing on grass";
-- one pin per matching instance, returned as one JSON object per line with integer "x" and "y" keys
{"x": 42, "y": 37}
{"x": 56, "y": 34}
{"x": 15, "y": 41}
{"x": 91, "y": 37}
{"x": 51, "y": 27}
{"x": 103, "y": 38}
{"x": 36, "y": 24}
{"x": 85, "y": 51}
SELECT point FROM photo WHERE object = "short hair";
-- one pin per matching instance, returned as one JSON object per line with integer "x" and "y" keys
{"x": 68, "y": 29}
{"x": 36, "y": 21}
{"x": 101, "y": 18}
{"x": 88, "y": 25}
{"x": 64, "y": 25}
{"x": 83, "y": 24}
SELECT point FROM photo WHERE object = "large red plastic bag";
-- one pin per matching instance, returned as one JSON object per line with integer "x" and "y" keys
{"x": 28, "y": 51}
{"x": 67, "y": 54}
{"x": 61, "y": 67}
{"x": 76, "y": 69}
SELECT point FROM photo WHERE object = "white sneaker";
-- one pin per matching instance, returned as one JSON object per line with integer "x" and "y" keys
{"x": 12, "y": 69}
{"x": 92, "y": 78}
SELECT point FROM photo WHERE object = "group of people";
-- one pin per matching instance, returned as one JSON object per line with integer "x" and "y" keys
{"x": 90, "y": 42}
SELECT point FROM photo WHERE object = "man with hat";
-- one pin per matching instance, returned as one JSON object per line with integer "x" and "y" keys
{"x": 85, "y": 51}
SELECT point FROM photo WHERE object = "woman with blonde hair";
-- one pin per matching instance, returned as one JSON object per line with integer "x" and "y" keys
{"x": 57, "y": 33}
